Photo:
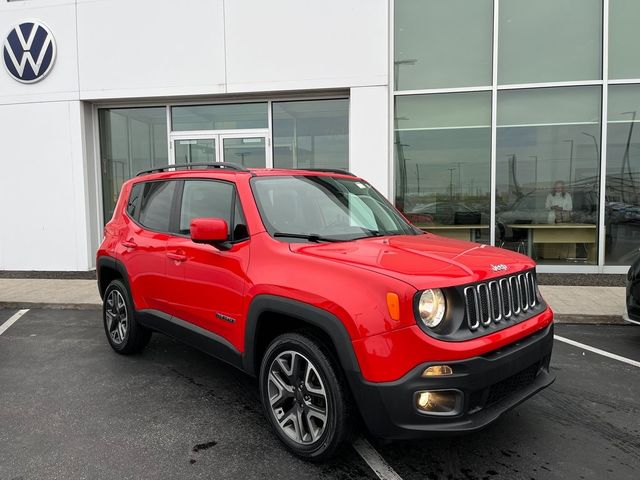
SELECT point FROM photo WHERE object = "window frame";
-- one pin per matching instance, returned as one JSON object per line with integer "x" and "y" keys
{"x": 172, "y": 220}
{"x": 177, "y": 209}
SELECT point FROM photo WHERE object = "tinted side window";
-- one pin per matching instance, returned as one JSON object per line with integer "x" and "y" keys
{"x": 155, "y": 208}
{"x": 205, "y": 199}
{"x": 133, "y": 205}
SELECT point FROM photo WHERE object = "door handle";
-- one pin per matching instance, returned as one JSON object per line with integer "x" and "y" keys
{"x": 129, "y": 244}
{"x": 178, "y": 256}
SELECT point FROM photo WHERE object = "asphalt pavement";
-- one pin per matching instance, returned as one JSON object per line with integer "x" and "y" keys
{"x": 72, "y": 408}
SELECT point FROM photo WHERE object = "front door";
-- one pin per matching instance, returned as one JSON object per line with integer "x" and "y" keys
{"x": 207, "y": 284}
{"x": 248, "y": 148}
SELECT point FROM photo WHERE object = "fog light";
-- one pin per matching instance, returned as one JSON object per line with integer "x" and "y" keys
{"x": 437, "y": 371}
{"x": 439, "y": 402}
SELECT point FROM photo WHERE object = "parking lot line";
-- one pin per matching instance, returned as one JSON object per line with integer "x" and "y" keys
{"x": 597, "y": 350}
{"x": 12, "y": 320}
{"x": 375, "y": 461}
{"x": 627, "y": 319}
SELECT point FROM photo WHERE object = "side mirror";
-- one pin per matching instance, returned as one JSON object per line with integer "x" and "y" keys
{"x": 212, "y": 231}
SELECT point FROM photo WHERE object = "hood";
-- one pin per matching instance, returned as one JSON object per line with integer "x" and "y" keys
{"x": 423, "y": 261}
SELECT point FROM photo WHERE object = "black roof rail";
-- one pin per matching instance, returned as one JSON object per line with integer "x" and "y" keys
{"x": 189, "y": 166}
{"x": 330, "y": 170}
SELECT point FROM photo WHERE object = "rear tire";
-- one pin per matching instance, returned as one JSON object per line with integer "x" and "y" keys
{"x": 124, "y": 333}
{"x": 305, "y": 397}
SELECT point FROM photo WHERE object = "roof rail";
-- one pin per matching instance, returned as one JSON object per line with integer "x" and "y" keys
{"x": 189, "y": 166}
{"x": 330, "y": 170}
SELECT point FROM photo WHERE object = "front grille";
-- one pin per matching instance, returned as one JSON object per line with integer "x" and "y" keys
{"x": 500, "y": 300}
{"x": 498, "y": 391}
{"x": 510, "y": 385}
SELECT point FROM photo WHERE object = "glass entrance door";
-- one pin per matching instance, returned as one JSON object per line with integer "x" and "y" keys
{"x": 195, "y": 150}
{"x": 249, "y": 150}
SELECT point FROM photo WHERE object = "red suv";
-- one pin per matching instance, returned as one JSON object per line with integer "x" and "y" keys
{"x": 311, "y": 281}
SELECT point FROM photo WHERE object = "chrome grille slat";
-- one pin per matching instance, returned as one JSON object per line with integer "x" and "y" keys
{"x": 472, "y": 311}
{"x": 503, "y": 299}
{"x": 496, "y": 301}
{"x": 506, "y": 297}
{"x": 484, "y": 302}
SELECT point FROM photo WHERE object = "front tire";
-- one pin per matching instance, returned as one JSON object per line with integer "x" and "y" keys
{"x": 124, "y": 333}
{"x": 304, "y": 396}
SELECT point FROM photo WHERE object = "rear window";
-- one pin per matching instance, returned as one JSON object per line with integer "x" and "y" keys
{"x": 155, "y": 206}
{"x": 133, "y": 205}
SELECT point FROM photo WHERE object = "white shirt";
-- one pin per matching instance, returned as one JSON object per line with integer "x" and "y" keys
{"x": 558, "y": 200}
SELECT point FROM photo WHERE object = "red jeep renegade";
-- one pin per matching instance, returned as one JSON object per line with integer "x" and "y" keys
{"x": 311, "y": 281}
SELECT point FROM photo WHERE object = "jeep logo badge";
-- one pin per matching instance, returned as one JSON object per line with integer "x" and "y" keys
{"x": 499, "y": 267}
{"x": 29, "y": 52}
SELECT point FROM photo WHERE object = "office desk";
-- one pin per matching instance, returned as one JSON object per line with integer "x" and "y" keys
{"x": 457, "y": 232}
{"x": 568, "y": 233}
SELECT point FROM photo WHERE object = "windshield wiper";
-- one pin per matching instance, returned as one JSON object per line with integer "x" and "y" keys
{"x": 312, "y": 237}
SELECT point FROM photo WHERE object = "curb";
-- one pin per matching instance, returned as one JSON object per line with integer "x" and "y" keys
{"x": 50, "y": 306}
{"x": 570, "y": 318}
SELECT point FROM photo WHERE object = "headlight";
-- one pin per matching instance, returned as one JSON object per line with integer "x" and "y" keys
{"x": 432, "y": 307}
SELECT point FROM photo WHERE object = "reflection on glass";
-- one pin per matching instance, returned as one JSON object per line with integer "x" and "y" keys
{"x": 442, "y": 43}
{"x": 549, "y": 41}
{"x": 249, "y": 152}
{"x": 219, "y": 117}
{"x": 442, "y": 161}
{"x": 202, "y": 150}
{"x": 311, "y": 134}
{"x": 624, "y": 18}
{"x": 622, "y": 204}
{"x": 547, "y": 179}
{"x": 131, "y": 140}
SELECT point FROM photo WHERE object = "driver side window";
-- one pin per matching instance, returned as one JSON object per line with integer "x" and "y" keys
{"x": 205, "y": 199}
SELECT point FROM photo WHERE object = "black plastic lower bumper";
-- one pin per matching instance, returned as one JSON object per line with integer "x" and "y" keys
{"x": 491, "y": 384}
{"x": 633, "y": 298}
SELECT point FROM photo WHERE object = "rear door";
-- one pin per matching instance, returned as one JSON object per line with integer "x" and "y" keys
{"x": 149, "y": 214}
{"x": 207, "y": 285}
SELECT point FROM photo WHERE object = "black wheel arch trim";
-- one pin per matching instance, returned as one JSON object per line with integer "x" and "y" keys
{"x": 306, "y": 313}
{"x": 112, "y": 264}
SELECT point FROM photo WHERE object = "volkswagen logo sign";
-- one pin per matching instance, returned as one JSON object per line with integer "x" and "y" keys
{"x": 29, "y": 51}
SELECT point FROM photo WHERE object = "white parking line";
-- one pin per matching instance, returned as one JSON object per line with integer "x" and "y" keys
{"x": 598, "y": 351}
{"x": 378, "y": 464}
{"x": 12, "y": 320}
{"x": 627, "y": 319}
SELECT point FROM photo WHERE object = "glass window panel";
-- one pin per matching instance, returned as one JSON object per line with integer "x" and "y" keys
{"x": 442, "y": 43}
{"x": 548, "y": 158}
{"x": 219, "y": 117}
{"x": 624, "y": 18}
{"x": 249, "y": 151}
{"x": 311, "y": 134}
{"x": 205, "y": 199}
{"x": 131, "y": 139}
{"x": 155, "y": 209}
{"x": 622, "y": 205}
{"x": 443, "y": 163}
{"x": 202, "y": 150}
{"x": 549, "y": 41}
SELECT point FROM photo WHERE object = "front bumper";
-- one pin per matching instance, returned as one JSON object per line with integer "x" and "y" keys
{"x": 491, "y": 384}
{"x": 633, "y": 299}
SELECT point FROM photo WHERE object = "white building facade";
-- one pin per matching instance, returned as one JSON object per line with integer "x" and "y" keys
{"x": 127, "y": 85}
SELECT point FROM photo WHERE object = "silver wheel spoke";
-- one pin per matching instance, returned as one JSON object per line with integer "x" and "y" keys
{"x": 283, "y": 391}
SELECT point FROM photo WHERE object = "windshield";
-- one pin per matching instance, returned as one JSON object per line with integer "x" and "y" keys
{"x": 318, "y": 208}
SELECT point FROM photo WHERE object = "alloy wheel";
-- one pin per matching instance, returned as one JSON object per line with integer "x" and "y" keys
{"x": 116, "y": 317}
{"x": 297, "y": 397}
